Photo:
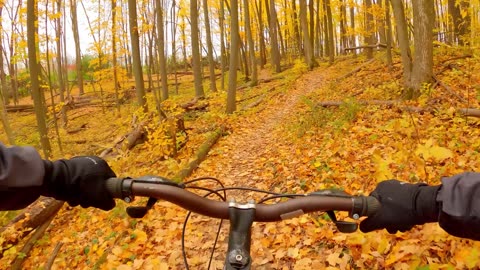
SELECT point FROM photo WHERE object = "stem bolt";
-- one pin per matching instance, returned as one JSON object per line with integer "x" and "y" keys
{"x": 238, "y": 257}
{"x": 356, "y": 216}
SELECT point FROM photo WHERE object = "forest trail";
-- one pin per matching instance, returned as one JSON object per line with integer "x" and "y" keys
{"x": 258, "y": 138}
{"x": 248, "y": 157}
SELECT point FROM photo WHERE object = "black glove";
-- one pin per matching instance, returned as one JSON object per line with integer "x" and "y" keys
{"x": 79, "y": 181}
{"x": 403, "y": 205}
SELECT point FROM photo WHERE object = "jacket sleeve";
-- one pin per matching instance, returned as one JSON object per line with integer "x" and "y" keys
{"x": 21, "y": 176}
{"x": 459, "y": 197}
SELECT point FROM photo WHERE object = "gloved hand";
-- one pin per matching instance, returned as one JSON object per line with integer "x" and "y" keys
{"x": 79, "y": 181}
{"x": 403, "y": 205}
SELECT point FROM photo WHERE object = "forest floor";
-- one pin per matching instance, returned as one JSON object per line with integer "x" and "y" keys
{"x": 290, "y": 144}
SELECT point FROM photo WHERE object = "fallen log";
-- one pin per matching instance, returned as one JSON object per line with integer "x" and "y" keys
{"x": 50, "y": 261}
{"x": 354, "y": 71}
{"x": 201, "y": 154}
{"x": 18, "y": 261}
{"x": 391, "y": 103}
{"x": 448, "y": 89}
{"x": 378, "y": 45}
{"x": 28, "y": 220}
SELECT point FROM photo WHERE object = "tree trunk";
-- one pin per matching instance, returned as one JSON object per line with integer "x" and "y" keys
{"x": 389, "y": 34}
{"x": 234, "y": 46}
{"x": 76, "y": 38}
{"x": 369, "y": 29}
{"x": 273, "y": 27}
{"x": 197, "y": 65}
{"x": 3, "y": 79}
{"x": 222, "y": 44}
{"x": 114, "y": 54}
{"x": 161, "y": 48}
{"x": 211, "y": 62}
{"x": 251, "y": 45}
{"x": 34, "y": 77}
{"x": 261, "y": 37}
{"x": 423, "y": 22}
{"x": 402, "y": 36}
{"x": 307, "y": 44}
{"x": 331, "y": 44}
{"x": 137, "y": 64}
{"x": 461, "y": 24}
{"x": 60, "y": 69}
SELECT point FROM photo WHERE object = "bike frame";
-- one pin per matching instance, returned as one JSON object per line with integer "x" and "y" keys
{"x": 240, "y": 234}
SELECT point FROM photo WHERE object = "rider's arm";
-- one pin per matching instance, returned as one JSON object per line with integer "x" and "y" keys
{"x": 455, "y": 205}
{"x": 21, "y": 175}
{"x": 24, "y": 176}
{"x": 459, "y": 197}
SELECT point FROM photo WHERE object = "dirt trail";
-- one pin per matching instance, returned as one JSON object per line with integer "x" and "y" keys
{"x": 237, "y": 163}
{"x": 244, "y": 158}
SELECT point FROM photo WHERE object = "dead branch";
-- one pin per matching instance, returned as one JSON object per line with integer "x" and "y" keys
{"x": 18, "y": 261}
{"x": 470, "y": 112}
{"x": 30, "y": 218}
{"x": 50, "y": 261}
{"x": 201, "y": 153}
{"x": 392, "y": 103}
{"x": 448, "y": 89}
{"x": 378, "y": 45}
{"x": 354, "y": 71}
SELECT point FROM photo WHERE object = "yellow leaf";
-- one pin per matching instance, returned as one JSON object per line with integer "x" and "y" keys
{"x": 435, "y": 152}
{"x": 293, "y": 252}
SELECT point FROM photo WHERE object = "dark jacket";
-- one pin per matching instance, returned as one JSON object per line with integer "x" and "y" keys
{"x": 21, "y": 176}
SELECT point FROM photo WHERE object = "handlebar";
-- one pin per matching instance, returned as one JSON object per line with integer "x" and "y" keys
{"x": 164, "y": 189}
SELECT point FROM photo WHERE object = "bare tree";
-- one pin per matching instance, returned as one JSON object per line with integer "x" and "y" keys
{"x": 34, "y": 65}
{"x": 211, "y": 63}
{"x": 137, "y": 63}
{"x": 234, "y": 47}
{"x": 197, "y": 65}
{"x": 251, "y": 45}
{"x": 76, "y": 38}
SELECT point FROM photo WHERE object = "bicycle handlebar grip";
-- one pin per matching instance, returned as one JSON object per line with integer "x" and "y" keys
{"x": 365, "y": 206}
{"x": 114, "y": 187}
{"x": 373, "y": 205}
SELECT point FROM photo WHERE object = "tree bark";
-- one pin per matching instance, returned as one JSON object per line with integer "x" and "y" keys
{"x": 307, "y": 44}
{"x": 76, "y": 38}
{"x": 197, "y": 65}
{"x": 211, "y": 62}
{"x": 161, "y": 49}
{"x": 369, "y": 28}
{"x": 34, "y": 76}
{"x": 137, "y": 63}
{"x": 251, "y": 45}
{"x": 234, "y": 47}
{"x": 273, "y": 27}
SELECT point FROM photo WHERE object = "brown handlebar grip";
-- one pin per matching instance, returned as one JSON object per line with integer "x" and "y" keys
{"x": 114, "y": 187}
{"x": 372, "y": 206}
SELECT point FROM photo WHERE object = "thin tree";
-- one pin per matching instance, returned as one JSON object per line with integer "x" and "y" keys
{"x": 273, "y": 27}
{"x": 307, "y": 44}
{"x": 211, "y": 62}
{"x": 329, "y": 30}
{"x": 61, "y": 78}
{"x": 369, "y": 29}
{"x": 222, "y": 44}
{"x": 234, "y": 47}
{"x": 76, "y": 39}
{"x": 161, "y": 48}
{"x": 3, "y": 79}
{"x": 114, "y": 55}
{"x": 251, "y": 45}
{"x": 137, "y": 62}
{"x": 197, "y": 72}
{"x": 34, "y": 65}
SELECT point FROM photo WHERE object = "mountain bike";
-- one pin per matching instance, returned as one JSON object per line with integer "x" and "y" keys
{"x": 241, "y": 215}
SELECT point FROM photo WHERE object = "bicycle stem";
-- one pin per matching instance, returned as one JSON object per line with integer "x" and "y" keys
{"x": 239, "y": 239}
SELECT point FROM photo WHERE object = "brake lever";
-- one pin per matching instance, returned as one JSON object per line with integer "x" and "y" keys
{"x": 342, "y": 226}
{"x": 141, "y": 211}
